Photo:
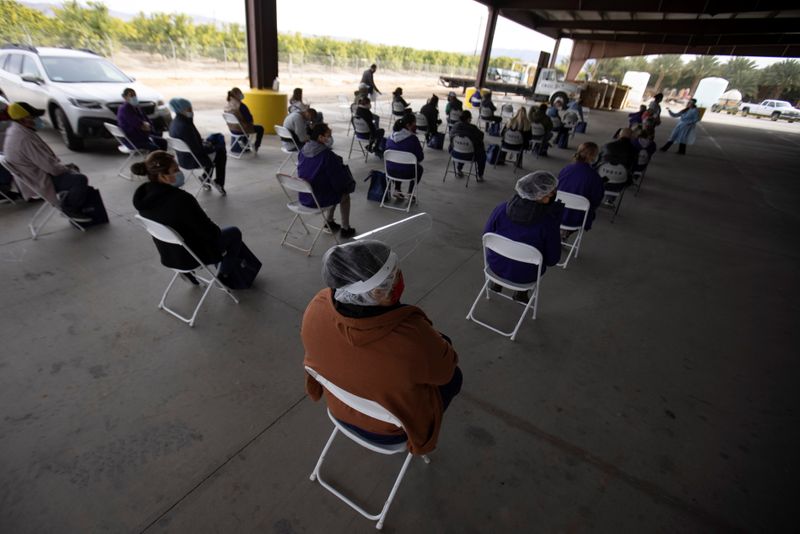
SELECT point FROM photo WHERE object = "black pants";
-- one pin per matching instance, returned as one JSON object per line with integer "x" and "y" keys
{"x": 220, "y": 159}
{"x": 76, "y": 185}
{"x": 681, "y": 147}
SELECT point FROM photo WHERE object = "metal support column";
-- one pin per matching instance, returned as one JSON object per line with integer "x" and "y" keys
{"x": 554, "y": 57}
{"x": 262, "y": 42}
{"x": 486, "y": 51}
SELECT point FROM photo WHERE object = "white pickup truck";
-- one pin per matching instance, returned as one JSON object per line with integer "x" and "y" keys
{"x": 774, "y": 109}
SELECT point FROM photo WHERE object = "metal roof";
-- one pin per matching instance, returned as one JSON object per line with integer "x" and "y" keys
{"x": 711, "y": 27}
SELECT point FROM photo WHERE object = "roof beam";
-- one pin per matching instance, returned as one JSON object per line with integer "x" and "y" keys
{"x": 688, "y": 27}
{"x": 692, "y": 40}
{"x": 711, "y": 7}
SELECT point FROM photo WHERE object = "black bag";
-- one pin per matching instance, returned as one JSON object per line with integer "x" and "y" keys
{"x": 492, "y": 152}
{"x": 239, "y": 272}
{"x": 377, "y": 185}
{"x": 436, "y": 141}
{"x": 93, "y": 207}
{"x": 494, "y": 129}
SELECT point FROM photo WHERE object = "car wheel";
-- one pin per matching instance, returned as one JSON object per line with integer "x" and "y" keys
{"x": 559, "y": 95}
{"x": 72, "y": 141}
{"x": 715, "y": 108}
{"x": 775, "y": 116}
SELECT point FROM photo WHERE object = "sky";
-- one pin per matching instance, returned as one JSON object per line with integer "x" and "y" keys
{"x": 426, "y": 24}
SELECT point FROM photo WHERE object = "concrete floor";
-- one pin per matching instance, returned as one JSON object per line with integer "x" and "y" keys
{"x": 656, "y": 392}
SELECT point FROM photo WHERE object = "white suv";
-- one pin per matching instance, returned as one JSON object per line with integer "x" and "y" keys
{"x": 79, "y": 90}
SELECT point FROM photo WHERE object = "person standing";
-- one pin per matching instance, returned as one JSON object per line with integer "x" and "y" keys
{"x": 652, "y": 117}
{"x": 683, "y": 133}
{"x": 368, "y": 82}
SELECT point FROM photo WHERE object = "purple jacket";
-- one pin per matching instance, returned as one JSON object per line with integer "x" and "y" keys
{"x": 130, "y": 119}
{"x": 329, "y": 177}
{"x": 528, "y": 222}
{"x": 581, "y": 179}
{"x": 404, "y": 141}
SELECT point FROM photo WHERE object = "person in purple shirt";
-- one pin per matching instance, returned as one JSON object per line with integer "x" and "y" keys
{"x": 329, "y": 177}
{"x": 532, "y": 216}
{"x": 136, "y": 126}
{"x": 580, "y": 178}
{"x": 404, "y": 138}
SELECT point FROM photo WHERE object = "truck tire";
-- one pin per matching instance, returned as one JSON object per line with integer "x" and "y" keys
{"x": 745, "y": 112}
{"x": 560, "y": 94}
{"x": 775, "y": 116}
{"x": 61, "y": 124}
{"x": 715, "y": 108}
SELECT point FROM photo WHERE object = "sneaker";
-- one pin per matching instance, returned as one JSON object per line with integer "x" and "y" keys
{"x": 220, "y": 188}
{"x": 347, "y": 232}
{"x": 460, "y": 174}
{"x": 189, "y": 278}
{"x": 497, "y": 288}
{"x": 76, "y": 216}
{"x": 479, "y": 178}
{"x": 206, "y": 187}
{"x": 331, "y": 226}
{"x": 399, "y": 196}
{"x": 521, "y": 296}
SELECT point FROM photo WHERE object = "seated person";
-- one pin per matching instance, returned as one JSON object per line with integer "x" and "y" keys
{"x": 556, "y": 113}
{"x": 6, "y": 180}
{"x": 136, "y": 126}
{"x": 34, "y": 162}
{"x": 237, "y": 107}
{"x": 465, "y": 128}
{"x": 431, "y": 112}
{"x": 488, "y": 109}
{"x": 329, "y": 177}
{"x": 296, "y": 102}
{"x": 576, "y": 106}
{"x": 453, "y": 104}
{"x": 399, "y": 105}
{"x": 518, "y": 123}
{"x": 581, "y": 178}
{"x": 372, "y": 120}
{"x": 357, "y": 334}
{"x": 620, "y": 151}
{"x": 183, "y": 128}
{"x": 162, "y": 200}
{"x": 642, "y": 140}
{"x": 475, "y": 98}
{"x": 539, "y": 116}
{"x": 298, "y": 123}
{"x": 532, "y": 216}
{"x": 636, "y": 119}
{"x": 404, "y": 138}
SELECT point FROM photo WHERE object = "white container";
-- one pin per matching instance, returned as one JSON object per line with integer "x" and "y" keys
{"x": 637, "y": 81}
{"x": 709, "y": 90}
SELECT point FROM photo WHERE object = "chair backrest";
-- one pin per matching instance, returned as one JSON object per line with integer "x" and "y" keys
{"x": 486, "y": 112}
{"x": 463, "y": 145}
{"x": 398, "y": 107}
{"x": 570, "y": 119}
{"x": 513, "y": 137}
{"x": 115, "y": 130}
{"x": 294, "y": 184}
{"x": 231, "y": 120}
{"x": 178, "y": 145}
{"x": 360, "y": 126}
{"x": 359, "y": 404}
{"x": 455, "y": 115}
{"x": 573, "y": 201}
{"x": 556, "y": 121}
{"x": 398, "y": 156}
{"x": 511, "y": 249}
{"x": 507, "y": 111}
{"x": 285, "y": 135}
{"x": 537, "y": 129}
{"x": 644, "y": 157}
{"x": 616, "y": 174}
{"x": 422, "y": 121}
{"x": 159, "y": 231}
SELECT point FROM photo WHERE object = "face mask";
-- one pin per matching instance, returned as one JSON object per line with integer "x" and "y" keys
{"x": 38, "y": 123}
{"x": 399, "y": 286}
{"x": 180, "y": 179}
{"x": 329, "y": 142}
{"x": 240, "y": 97}
{"x": 133, "y": 101}
{"x": 188, "y": 114}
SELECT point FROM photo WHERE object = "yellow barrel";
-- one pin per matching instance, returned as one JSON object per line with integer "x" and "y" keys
{"x": 468, "y": 95}
{"x": 268, "y": 107}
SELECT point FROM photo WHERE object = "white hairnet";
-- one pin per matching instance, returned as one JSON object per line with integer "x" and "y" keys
{"x": 359, "y": 269}
{"x": 536, "y": 185}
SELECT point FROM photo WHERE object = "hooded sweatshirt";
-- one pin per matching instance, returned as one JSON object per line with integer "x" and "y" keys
{"x": 396, "y": 359}
{"x": 529, "y": 222}
{"x": 174, "y": 207}
{"x": 325, "y": 170}
{"x": 405, "y": 141}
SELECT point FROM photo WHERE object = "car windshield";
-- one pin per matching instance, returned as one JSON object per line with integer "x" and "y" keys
{"x": 82, "y": 70}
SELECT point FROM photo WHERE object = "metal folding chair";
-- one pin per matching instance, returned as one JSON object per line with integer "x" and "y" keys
{"x": 361, "y": 134}
{"x": 179, "y": 147}
{"x": 298, "y": 185}
{"x": 168, "y": 235}
{"x": 404, "y": 158}
{"x": 245, "y": 141}
{"x": 512, "y": 138}
{"x": 614, "y": 174}
{"x": 124, "y": 146}
{"x": 518, "y": 252}
{"x": 288, "y": 147}
{"x": 538, "y": 133}
{"x": 370, "y": 409}
{"x": 578, "y": 203}
{"x": 461, "y": 145}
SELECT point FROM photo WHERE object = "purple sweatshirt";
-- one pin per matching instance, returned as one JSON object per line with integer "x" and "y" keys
{"x": 581, "y": 179}
{"x": 404, "y": 141}
{"x": 130, "y": 119}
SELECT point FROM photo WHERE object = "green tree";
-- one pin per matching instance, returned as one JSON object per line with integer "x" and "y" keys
{"x": 22, "y": 24}
{"x": 702, "y": 67}
{"x": 742, "y": 75}
{"x": 666, "y": 68}
{"x": 785, "y": 76}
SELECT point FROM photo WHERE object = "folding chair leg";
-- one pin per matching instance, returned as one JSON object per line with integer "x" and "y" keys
{"x": 6, "y": 199}
{"x": 618, "y": 203}
{"x": 532, "y": 301}
{"x": 121, "y": 172}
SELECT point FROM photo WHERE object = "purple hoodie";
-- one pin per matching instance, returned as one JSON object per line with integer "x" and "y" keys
{"x": 405, "y": 141}
{"x": 581, "y": 179}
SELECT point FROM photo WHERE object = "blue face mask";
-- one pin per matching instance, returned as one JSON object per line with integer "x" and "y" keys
{"x": 180, "y": 179}
{"x": 188, "y": 114}
{"x": 133, "y": 101}
{"x": 38, "y": 123}
{"x": 329, "y": 142}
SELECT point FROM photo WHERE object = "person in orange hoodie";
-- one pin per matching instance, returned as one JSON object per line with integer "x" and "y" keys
{"x": 358, "y": 335}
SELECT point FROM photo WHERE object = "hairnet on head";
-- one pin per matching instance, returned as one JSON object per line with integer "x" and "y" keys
{"x": 179, "y": 104}
{"x": 536, "y": 185}
{"x": 355, "y": 269}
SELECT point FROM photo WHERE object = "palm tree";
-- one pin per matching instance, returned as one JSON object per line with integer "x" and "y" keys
{"x": 742, "y": 75}
{"x": 784, "y": 75}
{"x": 664, "y": 66}
{"x": 702, "y": 67}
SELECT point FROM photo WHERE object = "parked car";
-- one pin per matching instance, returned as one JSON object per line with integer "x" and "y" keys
{"x": 774, "y": 109}
{"x": 728, "y": 102}
{"x": 79, "y": 89}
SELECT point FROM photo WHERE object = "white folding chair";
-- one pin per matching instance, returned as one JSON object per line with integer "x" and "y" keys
{"x": 370, "y": 409}
{"x": 168, "y": 235}
{"x": 569, "y": 121}
{"x": 512, "y": 138}
{"x": 461, "y": 145}
{"x": 361, "y": 134}
{"x": 486, "y": 115}
{"x": 638, "y": 176}
{"x": 298, "y": 185}
{"x": 506, "y": 112}
{"x": 45, "y": 211}
{"x": 614, "y": 174}
{"x": 124, "y": 146}
{"x": 452, "y": 119}
{"x": 422, "y": 124}
{"x": 180, "y": 147}
{"x": 405, "y": 158}
{"x": 344, "y": 104}
{"x": 398, "y": 110}
{"x": 538, "y": 136}
{"x": 288, "y": 147}
{"x": 518, "y": 252}
{"x": 245, "y": 141}
{"x": 578, "y": 203}
{"x": 352, "y": 114}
